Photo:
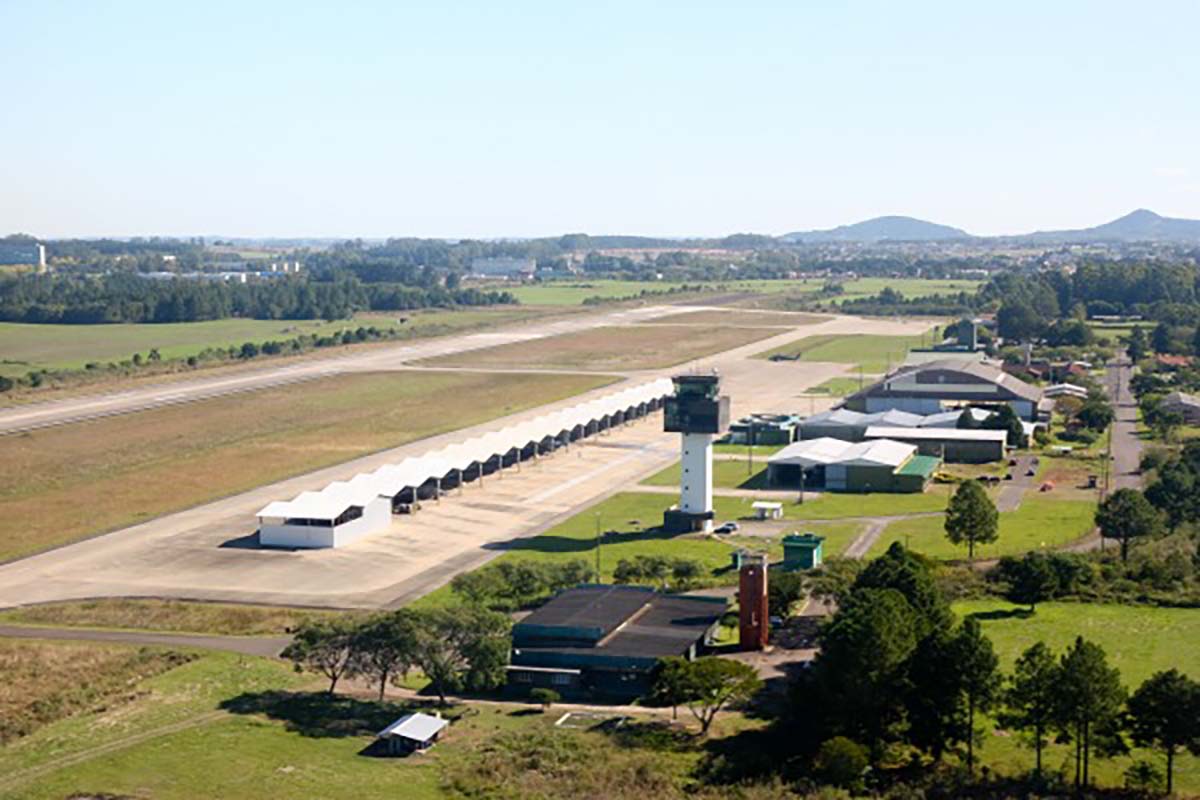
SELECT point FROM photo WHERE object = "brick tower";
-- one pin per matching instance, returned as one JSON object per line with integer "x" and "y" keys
{"x": 753, "y": 627}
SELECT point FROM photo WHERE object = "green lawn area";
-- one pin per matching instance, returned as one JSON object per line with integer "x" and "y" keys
{"x": 1040, "y": 522}
{"x": 634, "y": 519}
{"x": 1139, "y": 640}
{"x": 838, "y": 536}
{"x": 149, "y": 614}
{"x": 872, "y": 353}
{"x": 25, "y": 347}
{"x": 840, "y": 387}
{"x": 740, "y": 449}
{"x": 574, "y": 292}
{"x": 727, "y": 474}
{"x": 832, "y": 505}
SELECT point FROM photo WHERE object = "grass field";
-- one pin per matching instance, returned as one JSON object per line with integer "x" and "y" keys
{"x": 609, "y": 348}
{"x": 840, "y": 387}
{"x": 177, "y": 616}
{"x": 871, "y": 353}
{"x": 740, "y": 449}
{"x": 575, "y": 292}
{"x": 1139, "y": 640}
{"x": 1039, "y": 523}
{"x": 831, "y": 505}
{"x": 735, "y": 316}
{"x": 28, "y": 347}
{"x": 66, "y": 482}
{"x": 727, "y": 474}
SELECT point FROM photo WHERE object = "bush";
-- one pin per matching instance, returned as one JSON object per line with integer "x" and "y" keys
{"x": 544, "y": 697}
{"x": 841, "y": 762}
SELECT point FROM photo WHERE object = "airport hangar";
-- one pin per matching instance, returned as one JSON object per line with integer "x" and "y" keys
{"x": 345, "y": 511}
{"x": 943, "y": 385}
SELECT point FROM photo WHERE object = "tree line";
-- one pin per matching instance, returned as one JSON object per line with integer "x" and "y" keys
{"x": 896, "y": 671}
{"x": 124, "y": 297}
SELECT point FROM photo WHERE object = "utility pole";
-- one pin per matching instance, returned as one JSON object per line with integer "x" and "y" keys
{"x": 800, "y": 501}
{"x": 597, "y": 547}
{"x": 750, "y": 448}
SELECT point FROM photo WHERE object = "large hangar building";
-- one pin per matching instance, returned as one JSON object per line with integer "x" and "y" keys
{"x": 346, "y": 511}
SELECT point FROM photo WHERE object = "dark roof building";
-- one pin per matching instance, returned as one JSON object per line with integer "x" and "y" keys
{"x": 941, "y": 385}
{"x": 606, "y": 640}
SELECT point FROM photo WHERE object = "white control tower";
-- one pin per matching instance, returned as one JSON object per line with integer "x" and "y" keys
{"x": 699, "y": 413}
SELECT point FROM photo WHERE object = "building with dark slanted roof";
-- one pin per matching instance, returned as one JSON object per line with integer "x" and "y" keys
{"x": 605, "y": 641}
{"x": 939, "y": 386}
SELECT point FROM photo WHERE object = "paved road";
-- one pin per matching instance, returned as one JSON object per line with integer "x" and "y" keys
{"x": 78, "y": 409}
{"x": 269, "y": 646}
{"x": 1126, "y": 445}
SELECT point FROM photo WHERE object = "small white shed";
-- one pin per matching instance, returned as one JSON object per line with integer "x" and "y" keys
{"x": 412, "y": 733}
{"x": 764, "y": 509}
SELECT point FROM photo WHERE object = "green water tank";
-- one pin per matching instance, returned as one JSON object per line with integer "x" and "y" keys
{"x": 801, "y": 551}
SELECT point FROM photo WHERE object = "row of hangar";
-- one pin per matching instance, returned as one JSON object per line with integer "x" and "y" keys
{"x": 348, "y": 510}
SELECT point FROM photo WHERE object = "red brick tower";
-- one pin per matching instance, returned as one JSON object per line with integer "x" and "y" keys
{"x": 752, "y": 602}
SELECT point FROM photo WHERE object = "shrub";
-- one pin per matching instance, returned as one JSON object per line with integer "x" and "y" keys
{"x": 544, "y": 697}
{"x": 841, "y": 762}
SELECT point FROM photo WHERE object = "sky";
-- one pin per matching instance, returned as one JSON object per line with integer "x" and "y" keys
{"x": 516, "y": 119}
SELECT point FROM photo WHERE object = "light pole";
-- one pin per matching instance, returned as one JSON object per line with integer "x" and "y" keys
{"x": 597, "y": 547}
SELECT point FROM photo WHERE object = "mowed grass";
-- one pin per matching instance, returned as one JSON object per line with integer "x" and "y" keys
{"x": 25, "y": 347}
{"x": 626, "y": 347}
{"x": 833, "y": 505}
{"x": 629, "y": 523}
{"x": 734, "y": 316}
{"x": 1040, "y": 523}
{"x": 727, "y": 474}
{"x": 163, "y": 615}
{"x": 1138, "y": 640}
{"x": 840, "y": 387}
{"x": 63, "y": 483}
{"x": 871, "y": 353}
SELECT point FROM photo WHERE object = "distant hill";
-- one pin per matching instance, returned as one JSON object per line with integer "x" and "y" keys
{"x": 1139, "y": 226}
{"x": 895, "y": 229}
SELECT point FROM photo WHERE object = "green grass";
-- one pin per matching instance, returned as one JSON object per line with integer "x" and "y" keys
{"x": 1139, "y": 641}
{"x": 69, "y": 481}
{"x": 727, "y": 474}
{"x": 574, "y": 292}
{"x": 872, "y": 353}
{"x": 838, "y": 536}
{"x": 25, "y": 347}
{"x": 832, "y": 505}
{"x": 740, "y": 449}
{"x": 1039, "y": 523}
{"x": 634, "y": 518}
{"x": 840, "y": 387}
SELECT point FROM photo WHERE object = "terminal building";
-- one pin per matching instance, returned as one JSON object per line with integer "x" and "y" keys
{"x": 605, "y": 641}
{"x": 834, "y": 465}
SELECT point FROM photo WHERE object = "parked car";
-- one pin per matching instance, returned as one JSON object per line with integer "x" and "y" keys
{"x": 728, "y": 527}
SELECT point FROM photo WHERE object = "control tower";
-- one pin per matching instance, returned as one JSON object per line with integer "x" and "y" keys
{"x": 698, "y": 412}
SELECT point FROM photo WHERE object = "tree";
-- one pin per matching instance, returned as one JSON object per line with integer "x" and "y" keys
{"x": 1018, "y": 321}
{"x": 971, "y": 517}
{"x": 1164, "y": 712}
{"x": 1174, "y": 494}
{"x": 1096, "y": 414}
{"x": 1088, "y": 700}
{"x": 1029, "y": 700}
{"x": 670, "y": 684}
{"x": 910, "y": 575}
{"x": 383, "y": 647}
{"x": 978, "y": 670}
{"x": 710, "y": 684}
{"x": 324, "y": 646}
{"x": 861, "y": 671}
{"x": 1032, "y": 580}
{"x": 1006, "y": 419}
{"x": 544, "y": 697}
{"x": 841, "y": 762}
{"x": 1137, "y": 344}
{"x": 462, "y": 648}
{"x": 1160, "y": 339}
{"x": 1127, "y": 515}
{"x": 784, "y": 591}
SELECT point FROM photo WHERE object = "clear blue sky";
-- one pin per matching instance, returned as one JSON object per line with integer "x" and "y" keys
{"x": 523, "y": 119}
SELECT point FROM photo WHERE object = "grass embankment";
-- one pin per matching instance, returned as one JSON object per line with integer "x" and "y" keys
{"x": 26, "y": 347}
{"x": 871, "y": 353}
{"x": 609, "y": 348}
{"x": 1040, "y": 523}
{"x": 840, "y": 387}
{"x": 178, "y": 616}
{"x": 1139, "y": 640}
{"x": 66, "y": 482}
{"x": 48, "y": 681}
{"x": 244, "y": 728}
